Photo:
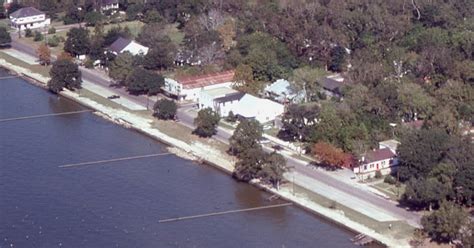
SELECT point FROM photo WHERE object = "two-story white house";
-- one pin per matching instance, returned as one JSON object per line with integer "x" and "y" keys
{"x": 109, "y": 5}
{"x": 222, "y": 100}
{"x": 383, "y": 159}
{"x": 122, "y": 45}
{"x": 29, "y": 17}
{"x": 189, "y": 88}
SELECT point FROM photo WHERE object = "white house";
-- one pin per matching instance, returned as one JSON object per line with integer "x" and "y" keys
{"x": 189, "y": 88}
{"x": 222, "y": 99}
{"x": 127, "y": 45}
{"x": 262, "y": 110}
{"x": 30, "y": 18}
{"x": 281, "y": 91}
{"x": 383, "y": 159}
{"x": 112, "y": 5}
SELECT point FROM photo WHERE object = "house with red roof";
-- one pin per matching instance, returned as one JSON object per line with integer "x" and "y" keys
{"x": 190, "y": 87}
{"x": 384, "y": 159}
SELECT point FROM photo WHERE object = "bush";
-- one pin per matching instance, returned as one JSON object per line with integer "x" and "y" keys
{"x": 28, "y": 33}
{"x": 378, "y": 174}
{"x": 51, "y": 30}
{"x": 89, "y": 64}
{"x": 38, "y": 36}
{"x": 390, "y": 180}
{"x": 53, "y": 41}
{"x": 165, "y": 109}
{"x": 231, "y": 117}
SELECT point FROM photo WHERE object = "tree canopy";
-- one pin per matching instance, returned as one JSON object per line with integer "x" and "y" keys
{"x": 64, "y": 74}
{"x": 206, "y": 122}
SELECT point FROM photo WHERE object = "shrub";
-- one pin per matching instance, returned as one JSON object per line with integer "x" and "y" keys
{"x": 89, "y": 63}
{"x": 165, "y": 109}
{"x": 378, "y": 174}
{"x": 28, "y": 33}
{"x": 38, "y": 36}
{"x": 53, "y": 41}
{"x": 231, "y": 117}
{"x": 390, "y": 180}
{"x": 51, "y": 30}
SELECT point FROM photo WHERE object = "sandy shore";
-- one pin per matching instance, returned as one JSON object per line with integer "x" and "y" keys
{"x": 202, "y": 152}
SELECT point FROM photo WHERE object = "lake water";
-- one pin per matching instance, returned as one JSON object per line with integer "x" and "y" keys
{"x": 119, "y": 204}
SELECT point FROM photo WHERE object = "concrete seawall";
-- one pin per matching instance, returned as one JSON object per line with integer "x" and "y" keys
{"x": 202, "y": 154}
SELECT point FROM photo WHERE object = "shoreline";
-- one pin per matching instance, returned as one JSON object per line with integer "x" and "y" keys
{"x": 188, "y": 151}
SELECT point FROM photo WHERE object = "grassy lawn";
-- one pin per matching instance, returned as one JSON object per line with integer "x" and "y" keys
{"x": 391, "y": 190}
{"x": 134, "y": 26}
{"x": 5, "y": 23}
{"x": 175, "y": 34}
{"x": 43, "y": 70}
{"x": 399, "y": 229}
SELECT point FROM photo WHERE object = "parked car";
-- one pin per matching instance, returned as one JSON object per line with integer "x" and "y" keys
{"x": 113, "y": 97}
{"x": 264, "y": 141}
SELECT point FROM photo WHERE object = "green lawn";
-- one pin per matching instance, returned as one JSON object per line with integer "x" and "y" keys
{"x": 43, "y": 70}
{"x": 134, "y": 26}
{"x": 391, "y": 190}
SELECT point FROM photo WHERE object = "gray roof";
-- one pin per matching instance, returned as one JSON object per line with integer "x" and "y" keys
{"x": 119, "y": 44}
{"x": 331, "y": 84}
{"x": 108, "y": 2}
{"x": 26, "y": 12}
{"x": 230, "y": 97}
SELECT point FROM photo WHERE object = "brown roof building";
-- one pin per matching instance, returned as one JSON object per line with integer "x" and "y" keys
{"x": 189, "y": 88}
{"x": 206, "y": 80}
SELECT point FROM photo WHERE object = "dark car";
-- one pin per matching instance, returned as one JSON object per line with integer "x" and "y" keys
{"x": 113, "y": 97}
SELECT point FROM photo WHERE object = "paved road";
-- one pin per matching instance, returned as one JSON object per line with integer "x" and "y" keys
{"x": 186, "y": 118}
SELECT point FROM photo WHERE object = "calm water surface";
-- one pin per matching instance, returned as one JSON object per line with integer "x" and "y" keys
{"x": 119, "y": 204}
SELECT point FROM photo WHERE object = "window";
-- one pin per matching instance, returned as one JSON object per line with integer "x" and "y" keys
{"x": 383, "y": 162}
{"x": 365, "y": 167}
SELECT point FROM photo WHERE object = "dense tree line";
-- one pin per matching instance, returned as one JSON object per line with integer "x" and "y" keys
{"x": 253, "y": 162}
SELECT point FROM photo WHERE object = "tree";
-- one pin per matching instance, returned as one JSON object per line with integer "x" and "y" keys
{"x": 444, "y": 224}
{"x": 425, "y": 193}
{"x": 53, "y": 41}
{"x": 134, "y": 11}
{"x": 65, "y": 56}
{"x": 2, "y": 8}
{"x": 231, "y": 117}
{"x": 38, "y": 36}
{"x": 28, "y": 32}
{"x": 114, "y": 33}
{"x": 51, "y": 30}
{"x": 121, "y": 67}
{"x": 273, "y": 169}
{"x": 418, "y": 154}
{"x": 77, "y": 42}
{"x": 305, "y": 79}
{"x": 73, "y": 15}
{"x": 338, "y": 57}
{"x": 298, "y": 122}
{"x": 250, "y": 164}
{"x": 142, "y": 81}
{"x": 161, "y": 56}
{"x": 5, "y": 38}
{"x": 152, "y": 35}
{"x": 165, "y": 109}
{"x": 92, "y": 18}
{"x": 206, "y": 123}
{"x": 245, "y": 137}
{"x": 64, "y": 74}
{"x": 44, "y": 54}
{"x": 330, "y": 156}
{"x": 243, "y": 80}
{"x": 414, "y": 101}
